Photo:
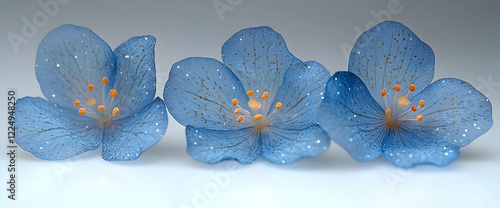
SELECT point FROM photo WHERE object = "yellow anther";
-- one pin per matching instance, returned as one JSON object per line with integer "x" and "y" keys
{"x": 254, "y": 104}
{"x": 239, "y": 119}
{"x": 387, "y": 111}
{"x": 77, "y": 102}
{"x": 113, "y": 93}
{"x": 235, "y": 102}
{"x": 403, "y": 102}
{"x": 412, "y": 87}
{"x": 237, "y": 111}
{"x": 105, "y": 80}
{"x": 265, "y": 95}
{"x": 116, "y": 111}
{"x": 257, "y": 117}
{"x": 420, "y": 117}
{"x": 422, "y": 103}
{"x": 397, "y": 87}
{"x": 384, "y": 92}
{"x": 414, "y": 108}
{"x": 250, "y": 93}
{"x": 100, "y": 107}
{"x": 82, "y": 111}
{"x": 90, "y": 87}
{"x": 279, "y": 105}
{"x": 91, "y": 101}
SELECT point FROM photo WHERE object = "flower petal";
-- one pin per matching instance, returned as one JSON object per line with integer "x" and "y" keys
{"x": 407, "y": 149}
{"x": 68, "y": 59}
{"x": 259, "y": 57}
{"x": 351, "y": 117}
{"x": 212, "y": 146}
{"x": 300, "y": 94}
{"x": 390, "y": 54}
{"x": 455, "y": 112}
{"x": 52, "y": 132}
{"x": 136, "y": 74}
{"x": 199, "y": 92}
{"x": 128, "y": 138}
{"x": 283, "y": 146}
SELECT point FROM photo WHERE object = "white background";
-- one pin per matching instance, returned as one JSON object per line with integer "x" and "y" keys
{"x": 463, "y": 35}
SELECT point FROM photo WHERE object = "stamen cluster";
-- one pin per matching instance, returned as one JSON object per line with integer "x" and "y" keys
{"x": 254, "y": 117}
{"x": 395, "y": 115}
{"x": 100, "y": 112}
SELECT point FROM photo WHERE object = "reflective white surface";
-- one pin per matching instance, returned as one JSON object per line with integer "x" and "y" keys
{"x": 462, "y": 34}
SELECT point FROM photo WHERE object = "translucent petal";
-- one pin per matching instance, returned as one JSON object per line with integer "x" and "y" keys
{"x": 455, "y": 112}
{"x": 68, "y": 59}
{"x": 128, "y": 138}
{"x": 300, "y": 94}
{"x": 52, "y": 132}
{"x": 351, "y": 117}
{"x": 283, "y": 146}
{"x": 407, "y": 149}
{"x": 199, "y": 92}
{"x": 135, "y": 79}
{"x": 259, "y": 57}
{"x": 212, "y": 146}
{"x": 390, "y": 54}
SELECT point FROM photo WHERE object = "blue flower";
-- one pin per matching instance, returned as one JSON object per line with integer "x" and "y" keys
{"x": 386, "y": 104}
{"x": 94, "y": 96}
{"x": 261, "y": 101}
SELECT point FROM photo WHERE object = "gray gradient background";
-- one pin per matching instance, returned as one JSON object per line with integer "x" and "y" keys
{"x": 463, "y": 35}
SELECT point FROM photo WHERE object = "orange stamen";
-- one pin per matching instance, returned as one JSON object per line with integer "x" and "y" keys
{"x": 420, "y": 117}
{"x": 422, "y": 103}
{"x": 384, "y": 92}
{"x": 237, "y": 111}
{"x": 116, "y": 111}
{"x": 397, "y": 88}
{"x": 113, "y": 93}
{"x": 387, "y": 111}
{"x": 100, "y": 107}
{"x": 235, "y": 102}
{"x": 257, "y": 117}
{"x": 90, "y": 87}
{"x": 105, "y": 80}
{"x": 77, "y": 102}
{"x": 240, "y": 118}
{"x": 265, "y": 95}
{"x": 414, "y": 108}
{"x": 279, "y": 105}
{"x": 82, "y": 111}
{"x": 412, "y": 87}
{"x": 250, "y": 93}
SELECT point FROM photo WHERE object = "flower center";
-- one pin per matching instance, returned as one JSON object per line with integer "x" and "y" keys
{"x": 254, "y": 116}
{"x": 103, "y": 110}
{"x": 395, "y": 115}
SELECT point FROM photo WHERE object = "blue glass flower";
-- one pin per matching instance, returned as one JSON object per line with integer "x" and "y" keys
{"x": 94, "y": 96}
{"x": 386, "y": 104}
{"x": 261, "y": 101}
